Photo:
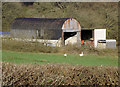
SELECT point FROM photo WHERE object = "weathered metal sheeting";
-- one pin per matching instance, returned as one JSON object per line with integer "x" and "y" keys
{"x": 71, "y": 25}
{"x": 32, "y": 27}
{"x": 38, "y": 23}
{"x": 28, "y": 27}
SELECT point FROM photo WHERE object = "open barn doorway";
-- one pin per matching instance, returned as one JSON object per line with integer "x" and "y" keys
{"x": 87, "y": 36}
{"x": 70, "y": 38}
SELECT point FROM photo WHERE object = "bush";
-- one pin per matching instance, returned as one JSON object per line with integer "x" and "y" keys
{"x": 49, "y": 74}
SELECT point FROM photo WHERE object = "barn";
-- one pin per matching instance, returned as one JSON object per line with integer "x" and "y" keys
{"x": 46, "y": 28}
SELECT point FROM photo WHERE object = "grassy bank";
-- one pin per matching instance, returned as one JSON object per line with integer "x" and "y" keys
{"x": 36, "y": 47}
{"x": 45, "y": 58}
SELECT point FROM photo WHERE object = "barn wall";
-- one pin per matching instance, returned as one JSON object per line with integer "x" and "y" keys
{"x": 79, "y": 39}
{"x": 53, "y": 34}
{"x": 41, "y": 34}
{"x": 23, "y": 33}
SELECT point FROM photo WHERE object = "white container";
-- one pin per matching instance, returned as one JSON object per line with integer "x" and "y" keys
{"x": 111, "y": 43}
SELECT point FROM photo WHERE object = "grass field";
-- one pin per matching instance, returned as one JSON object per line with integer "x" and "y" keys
{"x": 43, "y": 58}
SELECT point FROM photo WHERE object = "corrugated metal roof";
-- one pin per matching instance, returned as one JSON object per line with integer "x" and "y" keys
{"x": 38, "y": 23}
{"x": 86, "y": 29}
{"x": 89, "y": 29}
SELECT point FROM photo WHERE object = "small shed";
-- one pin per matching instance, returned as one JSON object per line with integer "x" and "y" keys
{"x": 92, "y": 36}
{"x": 46, "y": 28}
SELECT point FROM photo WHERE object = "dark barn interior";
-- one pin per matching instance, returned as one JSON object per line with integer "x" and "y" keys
{"x": 86, "y": 34}
{"x": 69, "y": 34}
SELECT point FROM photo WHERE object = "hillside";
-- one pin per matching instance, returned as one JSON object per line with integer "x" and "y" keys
{"x": 90, "y": 15}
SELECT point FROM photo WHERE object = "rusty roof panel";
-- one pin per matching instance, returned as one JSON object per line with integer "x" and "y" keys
{"x": 71, "y": 24}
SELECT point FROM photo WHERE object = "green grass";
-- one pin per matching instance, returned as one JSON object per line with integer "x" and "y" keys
{"x": 43, "y": 58}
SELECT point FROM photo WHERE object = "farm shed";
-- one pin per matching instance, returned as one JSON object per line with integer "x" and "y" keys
{"x": 92, "y": 36}
{"x": 46, "y": 28}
